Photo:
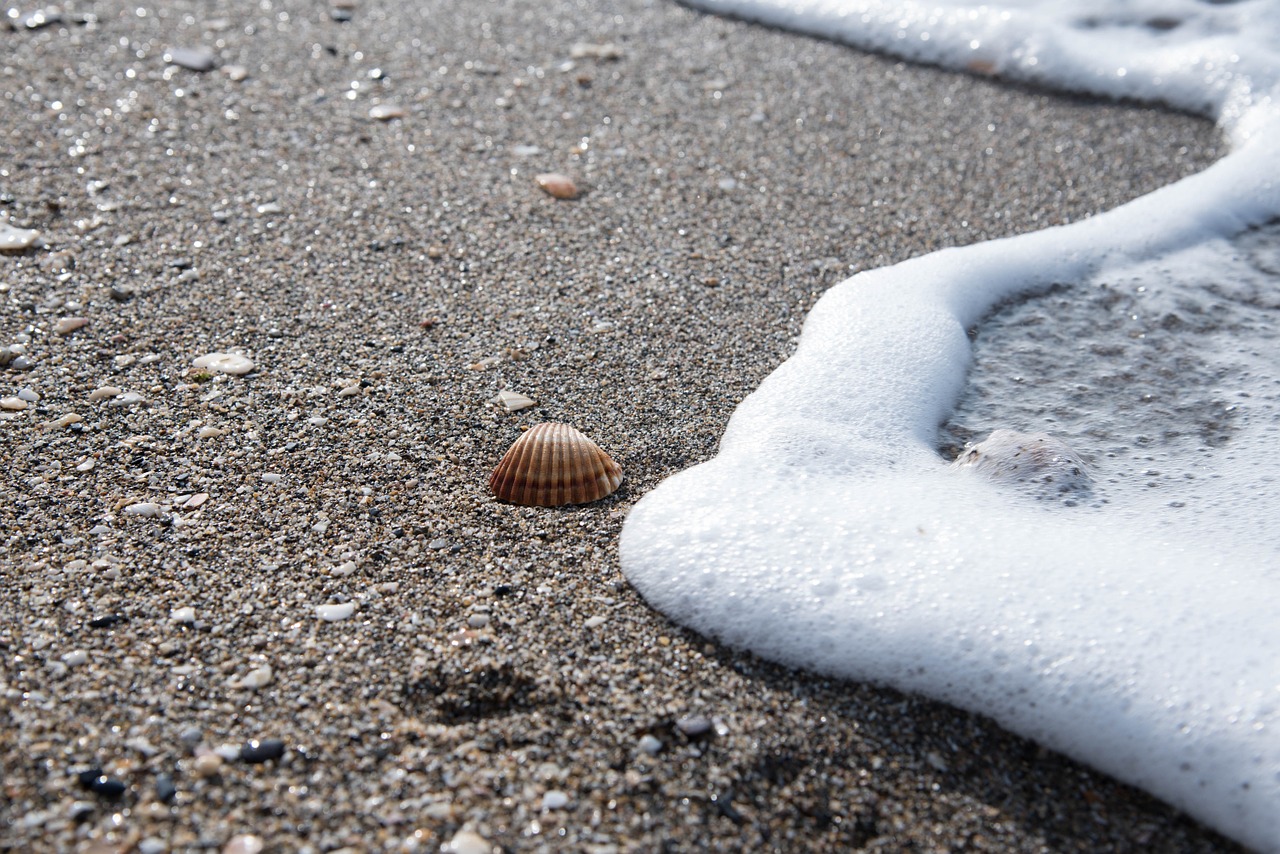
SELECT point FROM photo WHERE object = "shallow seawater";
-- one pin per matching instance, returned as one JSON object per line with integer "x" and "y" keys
{"x": 1164, "y": 376}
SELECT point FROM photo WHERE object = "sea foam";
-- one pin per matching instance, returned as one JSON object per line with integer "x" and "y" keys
{"x": 1134, "y": 629}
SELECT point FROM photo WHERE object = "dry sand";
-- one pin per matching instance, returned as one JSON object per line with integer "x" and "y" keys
{"x": 497, "y": 676}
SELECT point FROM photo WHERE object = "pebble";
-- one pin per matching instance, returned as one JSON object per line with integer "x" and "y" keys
{"x": 63, "y": 421}
{"x": 28, "y": 395}
{"x": 195, "y": 501}
{"x": 585, "y": 50}
{"x": 165, "y": 788}
{"x": 235, "y": 364}
{"x": 148, "y": 509}
{"x": 344, "y": 569}
{"x": 272, "y": 477}
{"x": 694, "y": 725}
{"x": 129, "y": 398}
{"x": 259, "y": 677}
{"x": 210, "y": 432}
{"x": 594, "y": 622}
{"x": 387, "y": 112}
{"x": 186, "y": 614}
{"x": 333, "y": 613}
{"x": 468, "y": 842}
{"x": 478, "y": 621}
{"x": 75, "y": 658}
{"x": 104, "y": 392}
{"x": 350, "y": 391}
{"x": 558, "y": 185}
{"x": 235, "y": 73}
{"x": 87, "y": 465}
{"x": 100, "y": 784}
{"x": 245, "y": 843}
{"x": 514, "y": 401}
{"x": 67, "y": 325}
{"x": 13, "y": 404}
{"x": 191, "y": 58}
{"x": 152, "y": 845}
{"x": 555, "y": 800}
{"x": 207, "y": 765}
{"x": 17, "y": 239}
{"x": 650, "y": 745}
{"x": 256, "y": 751}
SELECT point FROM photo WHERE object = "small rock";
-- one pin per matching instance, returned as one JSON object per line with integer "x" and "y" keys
{"x": 147, "y": 509}
{"x": 514, "y": 401}
{"x": 67, "y": 325}
{"x": 192, "y": 58}
{"x": 165, "y": 788}
{"x": 333, "y": 613}
{"x": 13, "y": 404}
{"x": 272, "y": 477}
{"x": 257, "y": 678}
{"x": 694, "y": 726}
{"x": 207, "y": 765}
{"x": 75, "y": 658}
{"x": 104, "y": 392}
{"x": 152, "y": 845}
{"x": 478, "y": 621}
{"x": 585, "y": 50}
{"x": 650, "y": 745}
{"x": 594, "y": 622}
{"x": 195, "y": 501}
{"x": 119, "y": 294}
{"x": 17, "y": 239}
{"x": 210, "y": 432}
{"x": 557, "y": 185}
{"x": 468, "y": 842}
{"x": 183, "y": 615}
{"x": 28, "y": 395}
{"x": 555, "y": 800}
{"x": 62, "y": 421}
{"x": 245, "y": 843}
{"x": 256, "y": 751}
{"x": 235, "y": 73}
{"x": 235, "y": 364}
{"x": 102, "y": 785}
{"x": 387, "y": 112}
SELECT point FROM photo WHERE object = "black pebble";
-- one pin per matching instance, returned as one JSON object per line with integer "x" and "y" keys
{"x": 100, "y": 784}
{"x": 261, "y": 750}
{"x": 107, "y": 621}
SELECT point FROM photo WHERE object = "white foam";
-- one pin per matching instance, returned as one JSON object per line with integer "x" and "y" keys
{"x": 1137, "y": 632}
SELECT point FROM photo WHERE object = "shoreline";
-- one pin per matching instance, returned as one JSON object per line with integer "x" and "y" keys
{"x": 498, "y": 675}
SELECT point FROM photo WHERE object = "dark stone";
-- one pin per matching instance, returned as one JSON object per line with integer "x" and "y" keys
{"x": 107, "y": 621}
{"x": 166, "y": 790}
{"x": 100, "y": 784}
{"x": 256, "y": 750}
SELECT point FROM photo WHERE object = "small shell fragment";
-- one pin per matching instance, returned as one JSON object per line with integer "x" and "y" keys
{"x": 14, "y": 239}
{"x": 554, "y": 464}
{"x": 513, "y": 401}
{"x": 236, "y": 364}
{"x": 558, "y": 185}
{"x": 67, "y": 325}
{"x": 69, "y": 418}
{"x": 1035, "y": 461}
{"x": 387, "y": 112}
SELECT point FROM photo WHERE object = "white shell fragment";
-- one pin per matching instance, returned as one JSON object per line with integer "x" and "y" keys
{"x": 17, "y": 239}
{"x": 236, "y": 364}
{"x": 67, "y": 325}
{"x": 558, "y": 185}
{"x": 333, "y": 613}
{"x": 1036, "y": 460}
{"x": 553, "y": 464}
{"x": 192, "y": 58}
{"x": 104, "y": 392}
{"x": 513, "y": 401}
{"x": 69, "y": 418}
{"x": 144, "y": 508}
{"x": 387, "y": 112}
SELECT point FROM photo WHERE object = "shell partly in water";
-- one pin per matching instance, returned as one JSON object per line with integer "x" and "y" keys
{"x": 553, "y": 464}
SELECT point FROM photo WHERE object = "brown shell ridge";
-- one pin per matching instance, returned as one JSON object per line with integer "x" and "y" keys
{"x": 554, "y": 464}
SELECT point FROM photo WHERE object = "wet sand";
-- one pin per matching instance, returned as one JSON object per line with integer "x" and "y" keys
{"x": 497, "y": 679}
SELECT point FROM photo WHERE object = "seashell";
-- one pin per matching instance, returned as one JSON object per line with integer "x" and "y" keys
{"x": 560, "y": 186}
{"x": 1037, "y": 461}
{"x": 554, "y": 464}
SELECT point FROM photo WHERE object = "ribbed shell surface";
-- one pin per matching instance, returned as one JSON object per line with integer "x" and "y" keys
{"x": 554, "y": 464}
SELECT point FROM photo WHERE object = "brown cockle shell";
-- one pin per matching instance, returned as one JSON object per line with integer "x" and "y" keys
{"x": 554, "y": 464}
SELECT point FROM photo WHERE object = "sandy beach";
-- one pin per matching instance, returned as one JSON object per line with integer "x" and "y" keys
{"x": 279, "y": 610}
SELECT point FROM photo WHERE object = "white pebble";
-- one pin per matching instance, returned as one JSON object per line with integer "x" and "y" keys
{"x": 13, "y": 404}
{"x": 236, "y": 364}
{"x": 333, "y": 613}
{"x": 259, "y": 677}
{"x": 195, "y": 501}
{"x": 103, "y": 393}
{"x": 478, "y": 621}
{"x": 344, "y": 569}
{"x": 468, "y": 842}
{"x": 144, "y": 508}
{"x": 350, "y": 391}
{"x": 129, "y": 398}
{"x": 75, "y": 658}
{"x": 210, "y": 432}
{"x": 593, "y": 622}
{"x": 555, "y": 800}
{"x": 87, "y": 465}
{"x": 272, "y": 477}
{"x": 650, "y": 745}
{"x": 28, "y": 395}
{"x": 16, "y": 239}
{"x": 183, "y": 615}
